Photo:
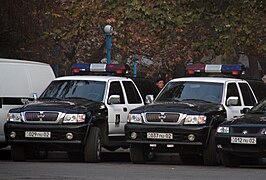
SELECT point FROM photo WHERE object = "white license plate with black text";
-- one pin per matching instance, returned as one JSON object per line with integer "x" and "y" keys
{"x": 243, "y": 140}
{"x": 155, "y": 135}
{"x": 37, "y": 134}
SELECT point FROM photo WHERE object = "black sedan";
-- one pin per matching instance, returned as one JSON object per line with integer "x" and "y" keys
{"x": 243, "y": 139}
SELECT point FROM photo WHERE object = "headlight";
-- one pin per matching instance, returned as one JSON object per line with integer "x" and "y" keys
{"x": 195, "y": 119}
{"x": 263, "y": 131}
{"x": 74, "y": 118}
{"x": 223, "y": 129}
{"x": 134, "y": 118}
{"x": 14, "y": 117}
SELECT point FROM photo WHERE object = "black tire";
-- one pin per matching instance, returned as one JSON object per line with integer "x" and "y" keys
{"x": 191, "y": 159}
{"x": 92, "y": 149}
{"x": 18, "y": 153}
{"x": 137, "y": 153}
{"x": 210, "y": 154}
{"x": 229, "y": 160}
{"x": 75, "y": 156}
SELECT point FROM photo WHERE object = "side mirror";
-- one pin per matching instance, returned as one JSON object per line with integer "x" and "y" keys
{"x": 25, "y": 101}
{"x": 35, "y": 96}
{"x": 114, "y": 99}
{"x": 245, "y": 110}
{"x": 149, "y": 98}
{"x": 232, "y": 101}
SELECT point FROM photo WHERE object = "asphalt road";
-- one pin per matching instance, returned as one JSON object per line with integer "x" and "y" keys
{"x": 117, "y": 166}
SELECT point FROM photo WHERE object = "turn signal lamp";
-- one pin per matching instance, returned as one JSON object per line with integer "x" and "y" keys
{"x": 107, "y": 69}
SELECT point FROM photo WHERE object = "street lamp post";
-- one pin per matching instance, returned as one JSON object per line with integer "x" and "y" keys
{"x": 136, "y": 60}
{"x": 108, "y": 29}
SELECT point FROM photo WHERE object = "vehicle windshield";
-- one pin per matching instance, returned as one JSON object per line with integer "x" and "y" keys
{"x": 259, "y": 108}
{"x": 75, "y": 89}
{"x": 203, "y": 91}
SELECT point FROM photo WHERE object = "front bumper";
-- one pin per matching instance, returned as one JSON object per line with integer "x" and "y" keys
{"x": 179, "y": 142}
{"x": 224, "y": 144}
{"x": 57, "y": 141}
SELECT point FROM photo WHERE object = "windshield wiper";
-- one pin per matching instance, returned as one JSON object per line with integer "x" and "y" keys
{"x": 164, "y": 99}
{"x": 50, "y": 98}
{"x": 79, "y": 98}
{"x": 201, "y": 100}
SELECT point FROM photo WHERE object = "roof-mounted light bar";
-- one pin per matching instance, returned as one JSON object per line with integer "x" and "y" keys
{"x": 118, "y": 69}
{"x": 234, "y": 69}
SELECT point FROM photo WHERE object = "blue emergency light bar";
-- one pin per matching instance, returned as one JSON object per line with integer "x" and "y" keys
{"x": 234, "y": 69}
{"x": 117, "y": 69}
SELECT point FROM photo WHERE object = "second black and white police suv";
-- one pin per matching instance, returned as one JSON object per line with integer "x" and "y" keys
{"x": 186, "y": 113}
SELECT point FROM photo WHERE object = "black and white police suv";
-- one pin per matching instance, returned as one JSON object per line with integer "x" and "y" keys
{"x": 78, "y": 114}
{"x": 243, "y": 139}
{"x": 186, "y": 113}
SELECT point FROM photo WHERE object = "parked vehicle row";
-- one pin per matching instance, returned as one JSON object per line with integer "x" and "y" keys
{"x": 80, "y": 114}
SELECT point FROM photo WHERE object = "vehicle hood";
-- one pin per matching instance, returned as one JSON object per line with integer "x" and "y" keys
{"x": 186, "y": 107}
{"x": 248, "y": 119}
{"x": 73, "y": 106}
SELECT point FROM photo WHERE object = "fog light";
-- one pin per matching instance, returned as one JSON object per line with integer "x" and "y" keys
{"x": 13, "y": 134}
{"x": 170, "y": 145}
{"x": 133, "y": 135}
{"x": 69, "y": 136}
{"x": 191, "y": 137}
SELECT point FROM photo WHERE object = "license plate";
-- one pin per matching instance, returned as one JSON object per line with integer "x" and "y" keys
{"x": 37, "y": 134}
{"x": 243, "y": 140}
{"x": 154, "y": 135}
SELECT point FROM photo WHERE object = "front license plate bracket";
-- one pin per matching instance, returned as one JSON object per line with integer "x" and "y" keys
{"x": 156, "y": 135}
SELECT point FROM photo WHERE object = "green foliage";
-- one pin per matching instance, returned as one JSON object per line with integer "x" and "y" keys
{"x": 162, "y": 29}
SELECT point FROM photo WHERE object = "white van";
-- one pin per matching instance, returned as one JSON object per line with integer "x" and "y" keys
{"x": 19, "y": 79}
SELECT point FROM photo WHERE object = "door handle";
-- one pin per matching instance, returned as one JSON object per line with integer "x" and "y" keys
{"x": 125, "y": 109}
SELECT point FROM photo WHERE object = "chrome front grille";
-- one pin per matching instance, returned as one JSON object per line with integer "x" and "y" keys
{"x": 163, "y": 117}
{"x": 153, "y": 117}
{"x": 41, "y": 116}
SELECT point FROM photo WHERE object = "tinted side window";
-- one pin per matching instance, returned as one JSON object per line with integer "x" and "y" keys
{"x": 248, "y": 97}
{"x": 259, "y": 88}
{"x": 145, "y": 86}
{"x": 233, "y": 91}
{"x": 131, "y": 92}
{"x": 116, "y": 89}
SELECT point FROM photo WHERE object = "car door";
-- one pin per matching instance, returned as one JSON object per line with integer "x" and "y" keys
{"x": 232, "y": 90}
{"x": 117, "y": 113}
{"x": 133, "y": 96}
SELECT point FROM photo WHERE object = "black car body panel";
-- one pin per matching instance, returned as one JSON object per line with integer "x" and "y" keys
{"x": 249, "y": 129}
{"x": 250, "y": 126}
{"x": 75, "y": 106}
{"x": 188, "y": 107}
{"x": 57, "y": 128}
{"x": 215, "y": 115}
{"x": 58, "y": 140}
{"x": 180, "y": 133}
